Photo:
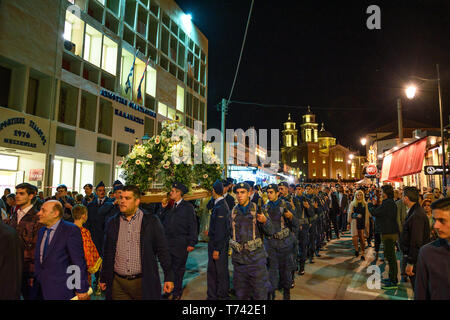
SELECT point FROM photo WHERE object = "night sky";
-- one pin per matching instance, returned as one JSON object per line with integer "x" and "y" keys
{"x": 320, "y": 53}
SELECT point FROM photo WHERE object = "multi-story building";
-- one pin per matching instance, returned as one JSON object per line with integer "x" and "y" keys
{"x": 70, "y": 107}
{"x": 317, "y": 156}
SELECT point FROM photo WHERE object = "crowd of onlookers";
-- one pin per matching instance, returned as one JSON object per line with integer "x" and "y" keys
{"x": 71, "y": 227}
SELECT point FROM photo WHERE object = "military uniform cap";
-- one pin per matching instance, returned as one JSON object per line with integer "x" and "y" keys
{"x": 88, "y": 185}
{"x": 100, "y": 184}
{"x": 250, "y": 183}
{"x": 292, "y": 186}
{"x": 273, "y": 186}
{"x": 117, "y": 183}
{"x": 218, "y": 187}
{"x": 298, "y": 186}
{"x": 241, "y": 185}
{"x": 181, "y": 187}
{"x": 283, "y": 184}
{"x": 117, "y": 187}
{"x": 226, "y": 182}
{"x": 308, "y": 185}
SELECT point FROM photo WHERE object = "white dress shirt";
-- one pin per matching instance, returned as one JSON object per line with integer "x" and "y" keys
{"x": 22, "y": 212}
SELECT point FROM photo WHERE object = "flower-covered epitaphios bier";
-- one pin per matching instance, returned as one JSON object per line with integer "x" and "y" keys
{"x": 173, "y": 155}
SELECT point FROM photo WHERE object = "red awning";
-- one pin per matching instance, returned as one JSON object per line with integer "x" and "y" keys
{"x": 408, "y": 160}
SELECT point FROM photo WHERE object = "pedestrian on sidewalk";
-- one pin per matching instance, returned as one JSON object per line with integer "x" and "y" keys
{"x": 358, "y": 215}
{"x": 386, "y": 217}
{"x": 426, "y": 205}
{"x": 433, "y": 263}
{"x": 415, "y": 231}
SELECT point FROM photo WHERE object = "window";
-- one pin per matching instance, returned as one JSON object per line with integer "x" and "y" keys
{"x": 84, "y": 173}
{"x": 122, "y": 149}
{"x": 109, "y": 58}
{"x": 165, "y": 41}
{"x": 5, "y": 75}
{"x": 73, "y": 32}
{"x": 323, "y": 161}
{"x": 68, "y": 102}
{"x": 180, "y": 98}
{"x": 139, "y": 68}
{"x": 68, "y": 30}
{"x": 339, "y": 157}
{"x": 162, "y": 109}
{"x": 33, "y": 87}
{"x": 314, "y": 160}
{"x": 308, "y": 135}
{"x": 313, "y": 150}
{"x": 65, "y": 136}
{"x": 105, "y": 116}
{"x": 314, "y": 172}
{"x": 324, "y": 172}
{"x": 149, "y": 126}
{"x": 88, "y": 111}
{"x": 315, "y": 135}
{"x": 103, "y": 145}
{"x": 288, "y": 140}
{"x": 294, "y": 158}
{"x": 92, "y": 46}
{"x": 171, "y": 113}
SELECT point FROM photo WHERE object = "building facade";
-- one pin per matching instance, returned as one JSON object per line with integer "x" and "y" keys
{"x": 317, "y": 156}
{"x": 82, "y": 80}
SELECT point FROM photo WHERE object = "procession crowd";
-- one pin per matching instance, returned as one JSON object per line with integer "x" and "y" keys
{"x": 62, "y": 246}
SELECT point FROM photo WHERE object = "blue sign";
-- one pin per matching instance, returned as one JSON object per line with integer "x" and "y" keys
{"x": 128, "y": 116}
{"x": 125, "y": 102}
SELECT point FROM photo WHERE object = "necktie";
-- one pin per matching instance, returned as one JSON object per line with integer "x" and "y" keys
{"x": 47, "y": 240}
{"x": 100, "y": 202}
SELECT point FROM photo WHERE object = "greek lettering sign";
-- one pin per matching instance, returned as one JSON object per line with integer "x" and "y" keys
{"x": 22, "y": 131}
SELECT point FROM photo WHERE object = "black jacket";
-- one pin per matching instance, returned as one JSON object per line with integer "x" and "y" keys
{"x": 432, "y": 272}
{"x": 153, "y": 244}
{"x": 96, "y": 222}
{"x": 11, "y": 263}
{"x": 386, "y": 216}
{"x": 415, "y": 233}
{"x": 180, "y": 225}
{"x": 219, "y": 227}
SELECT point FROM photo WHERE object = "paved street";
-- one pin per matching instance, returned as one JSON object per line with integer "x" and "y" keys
{"x": 336, "y": 275}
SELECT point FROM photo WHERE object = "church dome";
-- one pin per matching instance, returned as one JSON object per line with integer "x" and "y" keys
{"x": 324, "y": 134}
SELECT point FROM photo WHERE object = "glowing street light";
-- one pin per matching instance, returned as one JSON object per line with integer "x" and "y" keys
{"x": 351, "y": 156}
{"x": 410, "y": 91}
{"x": 363, "y": 141}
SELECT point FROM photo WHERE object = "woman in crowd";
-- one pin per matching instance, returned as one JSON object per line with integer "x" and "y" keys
{"x": 358, "y": 215}
{"x": 426, "y": 205}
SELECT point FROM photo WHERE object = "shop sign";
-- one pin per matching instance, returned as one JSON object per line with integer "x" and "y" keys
{"x": 434, "y": 170}
{"x": 36, "y": 174}
{"x": 22, "y": 132}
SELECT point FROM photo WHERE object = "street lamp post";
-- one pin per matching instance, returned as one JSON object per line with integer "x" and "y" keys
{"x": 410, "y": 92}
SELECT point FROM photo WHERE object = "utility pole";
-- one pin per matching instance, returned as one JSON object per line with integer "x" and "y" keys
{"x": 400, "y": 120}
{"x": 444, "y": 176}
{"x": 224, "y": 108}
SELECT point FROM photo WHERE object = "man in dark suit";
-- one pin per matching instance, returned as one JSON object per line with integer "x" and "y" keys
{"x": 342, "y": 201}
{"x": 219, "y": 235}
{"x": 11, "y": 261}
{"x": 180, "y": 226}
{"x": 254, "y": 195}
{"x": 415, "y": 231}
{"x": 334, "y": 211}
{"x": 60, "y": 265}
{"x": 26, "y": 222}
{"x": 95, "y": 222}
{"x": 133, "y": 241}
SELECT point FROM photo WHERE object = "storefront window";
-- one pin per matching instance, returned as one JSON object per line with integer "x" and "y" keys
{"x": 84, "y": 173}
{"x": 63, "y": 173}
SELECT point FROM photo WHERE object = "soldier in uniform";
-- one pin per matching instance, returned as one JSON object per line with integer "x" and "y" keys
{"x": 293, "y": 206}
{"x": 218, "y": 279}
{"x": 227, "y": 187}
{"x": 303, "y": 235}
{"x": 180, "y": 225}
{"x": 280, "y": 246}
{"x": 89, "y": 194}
{"x": 66, "y": 202}
{"x": 254, "y": 196}
{"x": 249, "y": 258}
{"x": 312, "y": 216}
{"x": 111, "y": 207}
